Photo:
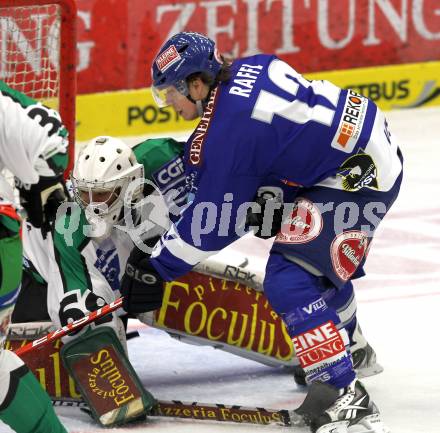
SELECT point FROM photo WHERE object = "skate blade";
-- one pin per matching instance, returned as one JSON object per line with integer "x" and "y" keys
{"x": 372, "y": 370}
{"x": 334, "y": 427}
{"x": 297, "y": 420}
{"x": 370, "y": 424}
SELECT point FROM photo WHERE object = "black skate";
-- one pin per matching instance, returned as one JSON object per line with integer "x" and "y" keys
{"x": 320, "y": 396}
{"x": 353, "y": 411}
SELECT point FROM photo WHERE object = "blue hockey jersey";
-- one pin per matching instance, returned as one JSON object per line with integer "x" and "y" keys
{"x": 268, "y": 125}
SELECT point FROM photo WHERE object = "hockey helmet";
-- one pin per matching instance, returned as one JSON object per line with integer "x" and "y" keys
{"x": 183, "y": 54}
{"x": 101, "y": 177}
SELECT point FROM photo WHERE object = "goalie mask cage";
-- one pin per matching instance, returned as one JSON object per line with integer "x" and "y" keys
{"x": 38, "y": 54}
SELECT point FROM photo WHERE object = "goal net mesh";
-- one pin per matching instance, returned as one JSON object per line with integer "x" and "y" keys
{"x": 30, "y": 50}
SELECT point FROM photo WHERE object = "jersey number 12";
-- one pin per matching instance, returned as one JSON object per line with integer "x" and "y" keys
{"x": 268, "y": 104}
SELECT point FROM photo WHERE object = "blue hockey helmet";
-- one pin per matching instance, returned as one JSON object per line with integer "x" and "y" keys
{"x": 183, "y": 54}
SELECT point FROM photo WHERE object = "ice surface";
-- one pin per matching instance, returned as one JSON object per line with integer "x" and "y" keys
{"x": 398, "y": 307}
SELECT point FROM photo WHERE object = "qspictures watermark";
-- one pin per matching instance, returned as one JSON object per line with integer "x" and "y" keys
{"x": 302, "y": 220}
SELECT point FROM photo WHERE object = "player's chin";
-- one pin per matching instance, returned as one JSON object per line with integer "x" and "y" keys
{"x": 188, "y": 115}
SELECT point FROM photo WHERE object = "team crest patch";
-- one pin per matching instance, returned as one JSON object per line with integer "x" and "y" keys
{"x": 304, "y": 224}
{"x": 358, "y": 171}
{"x": 167, "y": 58}
{"x": 347, "y": 251}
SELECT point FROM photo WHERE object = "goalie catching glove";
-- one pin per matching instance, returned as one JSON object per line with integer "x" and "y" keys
{"x": 141, "y": 285}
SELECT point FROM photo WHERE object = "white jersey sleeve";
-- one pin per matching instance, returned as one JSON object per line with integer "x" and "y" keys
{"x": 30, "y": 134}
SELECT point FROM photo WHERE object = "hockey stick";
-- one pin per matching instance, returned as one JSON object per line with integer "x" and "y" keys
{"x": 221, "y": 412}
{"x": 77, "y": 324}
{"x": 206, "y": 411}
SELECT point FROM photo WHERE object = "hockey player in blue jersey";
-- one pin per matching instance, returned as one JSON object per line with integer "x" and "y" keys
{"x": 329, "y": 152}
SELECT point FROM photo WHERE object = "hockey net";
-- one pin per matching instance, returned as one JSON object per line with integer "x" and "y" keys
{"x": 38, "y": 54}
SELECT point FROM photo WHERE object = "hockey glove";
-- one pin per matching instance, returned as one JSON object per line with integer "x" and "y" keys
{"x": 41, "y": 201}
{"x": 141, "y": 285}
{"x": 267, "y": 222}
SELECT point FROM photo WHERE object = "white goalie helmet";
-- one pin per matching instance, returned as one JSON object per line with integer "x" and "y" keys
{"x": 102, "y": 175}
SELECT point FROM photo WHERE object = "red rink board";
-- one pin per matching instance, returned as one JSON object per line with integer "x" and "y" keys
{"x": 119, "y": 39}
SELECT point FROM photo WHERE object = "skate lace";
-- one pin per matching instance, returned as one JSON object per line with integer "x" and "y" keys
{"x": 342, "y": 402}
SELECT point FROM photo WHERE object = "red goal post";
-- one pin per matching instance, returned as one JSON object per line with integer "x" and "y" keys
{"x": 38, "y": 54}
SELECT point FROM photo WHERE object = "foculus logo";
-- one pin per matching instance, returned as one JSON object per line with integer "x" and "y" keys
{"x": 226, "y": 312}
{"x": 106, "y": 380}
{"x": 107, "y": 383}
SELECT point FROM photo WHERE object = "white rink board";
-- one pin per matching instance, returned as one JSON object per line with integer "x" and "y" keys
{"x": 399, "y": 305}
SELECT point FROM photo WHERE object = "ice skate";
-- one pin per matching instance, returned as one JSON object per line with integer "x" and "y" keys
{"x": 352, "y": 412}
{"x": 320, "y": 396}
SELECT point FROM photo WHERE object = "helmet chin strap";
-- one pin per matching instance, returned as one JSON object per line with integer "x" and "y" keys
{"x": 201, "y": 104}
{"x": 200, "y": 108}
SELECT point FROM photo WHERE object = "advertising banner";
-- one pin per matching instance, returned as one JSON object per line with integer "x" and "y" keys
{"x": 346, "y": 41}
{"x": 125, "y": 113}
{"x": 118, "y": 39}
{"x": 390, "y": 87}
{"x": 130, "y": 113}
{"x": 226, "y": 312}
{"x": 48, "y": 368}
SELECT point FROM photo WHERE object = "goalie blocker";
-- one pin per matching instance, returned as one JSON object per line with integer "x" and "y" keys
{"x": 105, "y": 378}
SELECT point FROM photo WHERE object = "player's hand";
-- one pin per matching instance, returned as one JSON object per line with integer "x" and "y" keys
{"x": 141, "y": 285}
{"x": 41, "y": 201}
{"x": 267, "y": 222}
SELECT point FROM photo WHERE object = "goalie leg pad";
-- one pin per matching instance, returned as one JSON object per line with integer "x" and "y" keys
{"x": 105, "y": 378}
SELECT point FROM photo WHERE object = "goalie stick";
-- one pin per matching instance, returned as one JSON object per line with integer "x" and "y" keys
{"x": 206, "y": 411}
{"x": 75, "y": 325}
